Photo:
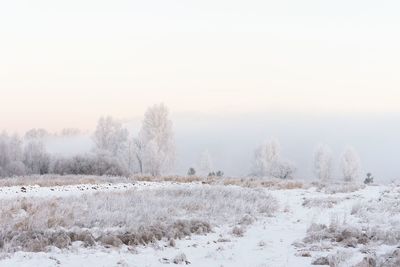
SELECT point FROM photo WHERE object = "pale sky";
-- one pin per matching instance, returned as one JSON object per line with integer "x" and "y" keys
{"x": 65, "y": 63}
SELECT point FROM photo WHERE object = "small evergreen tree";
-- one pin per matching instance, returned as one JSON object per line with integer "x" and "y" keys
{"x": 191, "y": 172}
{"x": 369, "y": 179}
{"x": 220, "y": 173}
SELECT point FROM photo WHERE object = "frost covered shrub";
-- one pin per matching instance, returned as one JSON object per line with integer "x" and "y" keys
{"x": 369, "y": 179}
{"x": 77, "y": 165}
{"x": 345, "y": 187}
{"x": 133, "y": 217}
{"x": 348, "y": 236}
{"x": 106, "y": 164}
{"x": 101, "y": 163}
{"x": 391, "y": 259}
{"x": 339, "y": 258}
{"x": 16, "y": 168}
{"x": 238, "y": 231}
{"x": 353, "y": 235}
{"x": 321, "y": 202}
{"x": 180, "y": 259}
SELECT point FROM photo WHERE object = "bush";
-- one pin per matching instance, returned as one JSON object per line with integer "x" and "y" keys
{"x": 220, "y": 173}
{"x": 369, "y": 179}
{"x": 90, "y": 164}
{"x": 16, "y": 168}
{"x": 191, "y": 172}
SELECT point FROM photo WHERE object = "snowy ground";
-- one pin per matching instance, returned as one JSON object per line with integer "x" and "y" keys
{"x": 277, "y": 240}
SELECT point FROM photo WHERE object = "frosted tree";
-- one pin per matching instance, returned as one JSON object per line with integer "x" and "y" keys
{"x": 36, "y": 158}
{"x": 36, "y": 134}
{"x": 205, "y": 163}
{"x": 157, "y": 138}
{"x": 110, "y": 136}
{"x": 266, "y": 158}
{"x": 351, "y": 165}
{"x": 69, "y": 132}
{"x": 323, "y": 162}
{"x": 16, "y": 167}
{"x": 139, "y": 153}
{"x": 11, "y": 155}
{"x": 4, "y": 150}
{"x": 15, "y": 148}
{"x": 284, "y": 169}
{"x": 154, "y": 159}
{"x": 129, "y": 156}
{"x": 268, "y": 161}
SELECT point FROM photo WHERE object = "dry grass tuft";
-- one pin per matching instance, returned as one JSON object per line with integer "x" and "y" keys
{"x": 132, "y": 217}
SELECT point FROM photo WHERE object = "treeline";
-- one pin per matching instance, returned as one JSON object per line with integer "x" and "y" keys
{"x": 116, "y": 152}
{"x": 152, "y": 152}
{"x": 268, "y": 162}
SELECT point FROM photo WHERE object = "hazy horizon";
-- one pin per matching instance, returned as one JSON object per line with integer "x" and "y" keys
{"x": 231, "y": 141}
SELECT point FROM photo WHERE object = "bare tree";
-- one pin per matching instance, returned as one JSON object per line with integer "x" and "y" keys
{"x": 323, "y": 162}
{"x": 11, "y": 155}
{"x": 36, "y": 158}
{"x": 110, "y": 136}
{"x": 37, "y": 134}
{"x": 266, "y": 158}
{"x": 157, "y": 144}
{"x": 154, "y": 159}
{"x": 351, "y": 165}
{"x": 139, "y": 148}
{"x": 268, "y": 161}
{"x": 284, "y": 169}
{"x": 4, "y": 150}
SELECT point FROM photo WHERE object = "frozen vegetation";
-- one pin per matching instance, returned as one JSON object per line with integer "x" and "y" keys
{"x": 116, "y": 221}
{"x": 130, "y": 217}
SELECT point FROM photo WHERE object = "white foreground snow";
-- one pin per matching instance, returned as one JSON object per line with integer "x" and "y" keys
{"x": 267, "y": 242}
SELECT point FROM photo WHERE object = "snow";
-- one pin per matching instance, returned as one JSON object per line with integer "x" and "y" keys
{"x": 73, "y": 190}
{"x": 267, "y": 242}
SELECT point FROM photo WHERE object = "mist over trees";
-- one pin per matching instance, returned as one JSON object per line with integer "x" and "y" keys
{"x": 268, "y": 161}
{"x": 21, "y": 157}
{"x": 157, "y": 139}
{"x": 351, "y": 165}
{"x": 36, "y": 158}
{"x": 150, "y": 151}
{"x": 323, "y": 163}
{"x": 11, "y": 155}
{"x": 110, "y": 136}
{"x": 116, "y": 152}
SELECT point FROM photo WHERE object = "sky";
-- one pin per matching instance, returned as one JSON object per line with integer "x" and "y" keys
{"x": 65, "y": 63}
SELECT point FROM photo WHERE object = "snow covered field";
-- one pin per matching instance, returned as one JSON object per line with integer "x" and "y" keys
{"x": 166, "y": 223}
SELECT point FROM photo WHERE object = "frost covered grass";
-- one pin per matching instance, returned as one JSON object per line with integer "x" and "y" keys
{"x": 60, "y": 180}
{"x": 342, "y": 187}
{"x": 368, "y": 226}
{"x": 249, "y": 182}
{"x": 49, "y": 180}
{"x": 322, "y": 202}
{"x": 132, "y": 217}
